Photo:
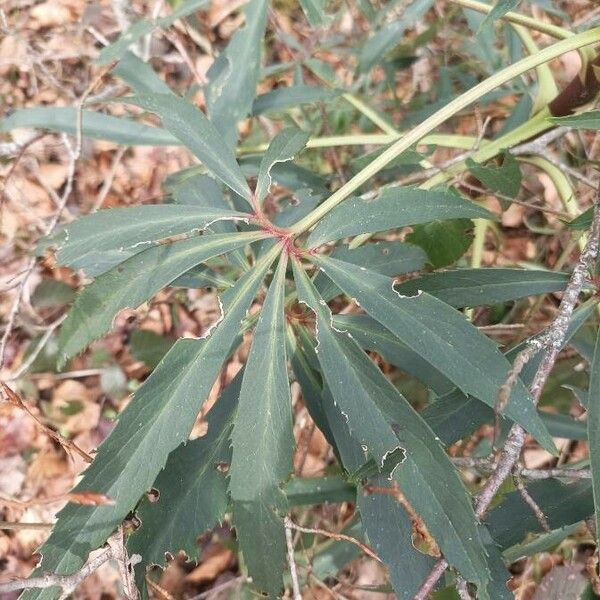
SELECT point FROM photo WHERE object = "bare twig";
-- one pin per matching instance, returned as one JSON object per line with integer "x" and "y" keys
{"x": 74, "y": 154}
{"x": 462, "y": 589}
{"x": 68, "y": 445}
{"x": 38, "y": 348}
{"x": 540, "y": 143}
{"x": 116, "y": 543}
{"x": 8, "y": 525}
{"x": 522, "y": 358}
{"x": 552, "y": 342}
{"x": 291, "y": 560}
{"x": 537, "y": 511}
{"x": 335, "y": 536}
{"x": 487, "y": 466}
{"x": 67, "y": 583}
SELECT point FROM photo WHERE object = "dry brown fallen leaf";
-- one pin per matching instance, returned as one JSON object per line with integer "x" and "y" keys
{"x": 211, "y": 566}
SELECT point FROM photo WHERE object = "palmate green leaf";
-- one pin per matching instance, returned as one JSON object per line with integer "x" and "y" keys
{"x": 389, "y": 530}
{"x": 95, "y": 125}
{"x": 384, "y": 426}
{"x": 262, "y": 442}
{"x": 478, "y": 287}
{"x": 441, "y": 336}
{"x": 289, "y": 97}
{"x": 191, "y": 127}
{"x": 136, "y": 280}
{"x": 157, "y": 420}
{"x": 105, "y": 238}
{"x": 192, "y": 492}
{"x": 394, "y": 208}
{"x": 234, "y": 74}
{"x": 593, "y": 426}
{"x": 505, "y": 179}
{"x": 283, "y": 147}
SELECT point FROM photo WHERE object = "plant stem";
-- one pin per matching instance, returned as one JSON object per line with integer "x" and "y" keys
{"x": 513, "y": 17}
{"x": 446, "y": 140}
{"x": 370, "y": 114}
{"x": 458, "y": 104}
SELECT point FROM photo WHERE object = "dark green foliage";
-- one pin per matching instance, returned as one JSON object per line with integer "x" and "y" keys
{"x": 286, "y": 263}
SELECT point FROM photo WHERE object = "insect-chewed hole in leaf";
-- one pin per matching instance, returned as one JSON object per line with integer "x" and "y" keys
{"x": 153, "y": 495}
{"x": 222, "y": 467}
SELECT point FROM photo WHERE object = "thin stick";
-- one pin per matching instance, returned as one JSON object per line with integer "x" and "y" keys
{"x": 74, "y": 154}
{"x": 68, "y": 583}
{"x": 7, "y": 525}
{"x": 291, "y": 560}
{"x": 335, "y": 536}
{"x": 15, "y": 400}
{"x": 537, "y": 511}
{"x": 553, "y": 340}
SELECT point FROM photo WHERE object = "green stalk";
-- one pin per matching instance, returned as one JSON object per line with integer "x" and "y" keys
{"x": 513, "y": 17}
{"x": 505, "y": 75}
{"x": 370, "y": 114}
{"x": 445, "y": 140}
{"x": 547, "y": 88}
{"x": 530, "y": 129}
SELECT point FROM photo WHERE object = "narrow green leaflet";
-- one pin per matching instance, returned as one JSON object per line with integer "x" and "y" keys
{"x": 390, "y": 432}
{"x": 583, "y": 221}
{"x": 122, "y": 232}
{"x": 284, "y": 98}
{"x": 315, "y": 12}
{"x": 262, "y": 442}
{"x": 157, "y": 420}
{"x": 234, "y": 75}
{"x": 387, "y": 258}
{"x": 391, "y": 34}
{"x": 140, "y": 76}
{"x": 191, "y": 127}
{"x": 504, "y": 179}
{"x": 136, "y": 280}
{"x": 283, "y": 147}
{"x": 478, "y": 287}
{"x": 303, "y": 491}
{"x": 501, "y": 7}
{"x": 441, "y": 336}
{"x": 586, "y": 120}
{"x": 142, "y": 27}
{"x": 395, "y": 207}
{"x": 593, "y": 423}
{"x": 562, "y": 504}
{"x": 389, "y": 530}
{"x": 95, "y": 125}
{"x": 192, "y": 492}
{"x": 376, "y": 437}
{"x": 455, "y": 415}
{"x": 374, "y": 337}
